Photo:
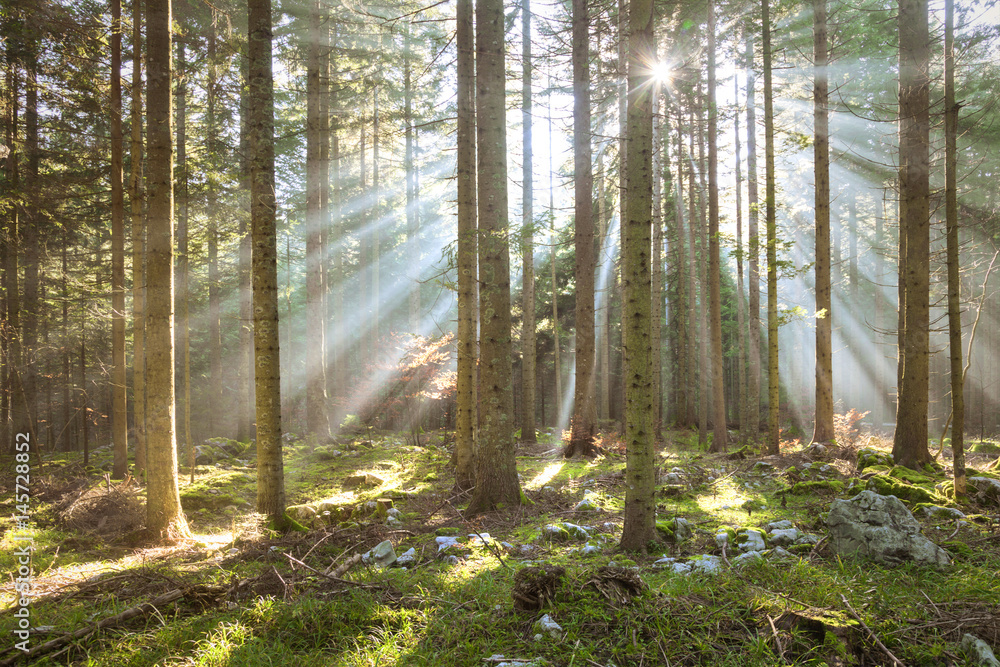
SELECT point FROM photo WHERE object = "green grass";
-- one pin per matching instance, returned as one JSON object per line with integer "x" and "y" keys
{"x": 438, "y": 614}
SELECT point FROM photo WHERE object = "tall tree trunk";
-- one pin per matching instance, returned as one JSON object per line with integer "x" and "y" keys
{"x": 412, "y": 210}
{"x": 211, "y": 204}
{"x": 270, "y": 470}
{"x": 496, "y": 468}
{"x": 11, "y": 260}
{"x": 753, "y": 298}
{"x": 527, "y": 239}
{"x": 656, "y": 274}
{"x": 584, "y": 401}
{"x": 66, "y": 371}
{"x": 465, "y": 418}
{"x": 697, "y": 371}
{"x": 909, "y": 447}
{"x": 120, "y": 409}
{"x": 376, "y": 247}
{"x": 700, "y": 231}
{"x": 604, "y": 351}
{"x": 824, "y": 302}
{"x": 246, "y": 374}
{"x": 954, "y": 281}
{"x": 84, "y": 396}
{"x": 554, "y": 254}
{"x": 771, "y": 444}
{"x": 685, "y": 369}
{"x": 719, "y": 432}
{"x": 640, "y": 510}
{"x": 163, "y": 506}
{"x": 29, "y": 240}
{"x": 744, "y": 405}
{"x": 317, "y": 421}
{"x": 183, "y": 258}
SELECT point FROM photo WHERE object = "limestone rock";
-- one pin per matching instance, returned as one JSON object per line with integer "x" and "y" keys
{"x": 871, "y": 457}
{"x": 407, "y": 558}
{"x": 382, "y": 555}
{"x": 301, "y": 513}
{"x": 784, "y": 537}
{"x": 545, "y": 625}
{"x": 979, "y": 651}
{"x": 986, "y": 486}
{"x": 751, "y": 540}
{"x": 784, "y": 524}
{"x": 882, "y": 529}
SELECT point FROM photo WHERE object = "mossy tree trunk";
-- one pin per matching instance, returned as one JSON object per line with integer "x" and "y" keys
{"x": 528, "y": 378}
{"x": 719, "y": 432}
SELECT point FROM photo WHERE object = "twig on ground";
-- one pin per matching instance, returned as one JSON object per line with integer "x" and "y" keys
{"x": 871, "y": 634}
{"x": 118, "y": 619}
{"x": 347, "y": 565}
{"x": 328, "y": 576}
{"x": 777, "y": 639}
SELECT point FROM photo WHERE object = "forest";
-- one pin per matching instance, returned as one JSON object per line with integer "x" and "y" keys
{"x": 644, "y": 332}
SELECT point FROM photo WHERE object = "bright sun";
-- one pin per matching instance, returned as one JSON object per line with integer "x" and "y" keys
{"x": 662, "y": 72}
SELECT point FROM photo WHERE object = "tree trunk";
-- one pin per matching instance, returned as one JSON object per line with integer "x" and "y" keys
{"x": 773, "y": 380}
{"x": 553, "y": 256}
{"x": 824, "y": 302}
{"x": 584, "y": 400}
{"x": 640, "y": 510}
{"x": 954, "y": 281}
{"x": 496, "y": 468}
{"x": 656, "y": 274}
{"x": 527, "y": 240}
{"x": 604, "y": 352}
{"x": 211, "y": 204}
{"x": 744, "y": 405}
{"x": 719, "y": 432}
{"x": 163, "y": 506}
{"x": 697, "y": 371}
{"x": 30, "y": 250}
{"x": 119, "y": 410}
{"x": 753, "y": 298}
{"x": 412, "y": 211}
{"x": 246, "y": 376}
{"x": 270, "y": 472}
{"x": 183, "y": 258}
{"x": 317, "y": 421}
{"x": 465, "y": 418}
{"x": 909, "y": 447}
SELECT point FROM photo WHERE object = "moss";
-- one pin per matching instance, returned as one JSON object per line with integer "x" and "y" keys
{"x": 446, "y": 531}
{"x": 666, "y": 528}
{"x": 869, "y": 457}
{"x": 805, "y": 488}
{"x": 525, "y": 500}
{"x": 890, "y": 486}
{"x": 985, "y": 448}
{"x": 910, "y": 476}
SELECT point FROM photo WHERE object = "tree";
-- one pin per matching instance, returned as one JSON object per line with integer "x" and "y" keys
{"x": 954, "y": 281}
{"x": 753, "y": 307}
{"x": 119, "y": 410}
{"x": 496, "y": 468}
{"x": 771, "y": 444}
{"x": 183, "y": 258}
{"x": 465, "y": 418}
{"x": 527, "y": 241}
{"x": 584, "y": 399}
{"x": 719, "y": 432}
{"x": 270, "y": 470}
{"x": 317, "y": 421}
{"x": 164, "y": 516}
{"x": 824, "y": 303}
{"x": 640, "y": 508}
{"x": 909, "y": 446}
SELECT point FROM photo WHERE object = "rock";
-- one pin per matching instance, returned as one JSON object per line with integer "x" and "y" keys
{"x": 445, "y": 542}
{"x": 784, "y": 524}
{"x": 750, "y": 540}
{"x": 407, "y": 558}
{"x": 382, "y": 555}
{"x": 807, "y": 538}
{"x": 545, "y": 625}
{"x": 778, "y": 553}
{"x": 748, "y": 558}
{"x": 707, "y": 564}
{"x": 872, "y": 457}
{"x": 938, "y": 512}
{"x": 356, "y": 481}
{"x": 892, "y": 486}
{"x": 452, "y": 560}
{"x": 763, "y": 467}
{"x": 497, "y": 660}
{"x": 301, "y": 513}
{"x": 676, "y": 530}
{"x": 671, "y": 478}
{"x": 586, "y": 505}
{"x": 817, "y": 450}
{"x": 393, "y": 522}
{"x": 480, "y": 539}
{"x": 988, "y": 487}
{"x": 590, "y": 550}
{"x": 979, "y": 651}
{"x": 724, "y": 536}
{"x": 674, "y": 565}
{"x": 784, "y": 537}
{"x": 882, "y": 529}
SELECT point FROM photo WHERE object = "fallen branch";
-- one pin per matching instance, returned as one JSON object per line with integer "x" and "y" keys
{"x": 118, "y": 619}
{"x": 329, "y": 576}
{"x": 871, "y": 634}
{"x": 777, "y": 639}
{"x": 347, "y": 565}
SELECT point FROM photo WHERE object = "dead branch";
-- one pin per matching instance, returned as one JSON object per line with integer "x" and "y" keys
{"x": 871, "y": 634}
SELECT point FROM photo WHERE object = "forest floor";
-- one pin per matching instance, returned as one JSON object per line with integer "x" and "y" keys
{"x": 236, "y": 594}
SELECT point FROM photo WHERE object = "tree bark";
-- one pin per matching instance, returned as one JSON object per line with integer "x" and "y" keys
{"x": 211, "y": 205}
{"x": 954, "y": 282}
{"x": 753, "y": 239}
{"x": 584, "y": 399}
{"x": 640, "y": 509}
{"x": 496, "y": 468}
{"x": 528, "y": 355}
{"x": 465, "y": 418}
{"x": 909, "y": 447}
{"x": 164, "y": 516}
{"x": 773, "y": 380}
{"x": 720, "y": 435}
{"x": 744, "y": 405}
{"x": 183, "y": 258}
{"x": 119, "y": 415}
{"x": 317, "y": 420}
{"x": 823, "y": 431}
{"x": 270, "y": 471}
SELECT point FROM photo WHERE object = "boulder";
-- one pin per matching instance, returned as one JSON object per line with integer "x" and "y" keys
{"x": 301, "y": 513}
{"x": 978, "y": 651}
{"x": 782, "y": 537}
{"x": 882, "y": 529}
{"x": 367, "y": 479}
{"x": 750, "y": 540}
{"x": 987, "y": 487}
{"x": 382, "y": 555}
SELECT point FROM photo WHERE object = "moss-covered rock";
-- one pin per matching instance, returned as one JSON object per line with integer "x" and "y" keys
{"x": 821, "y": 486}
{"x": 675, "y": 530}
{"x": 985, "y": 448}
{"x": 869, "y": 457}
{"x": 890, "y": 486}
{"x": 910, "y": 476}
